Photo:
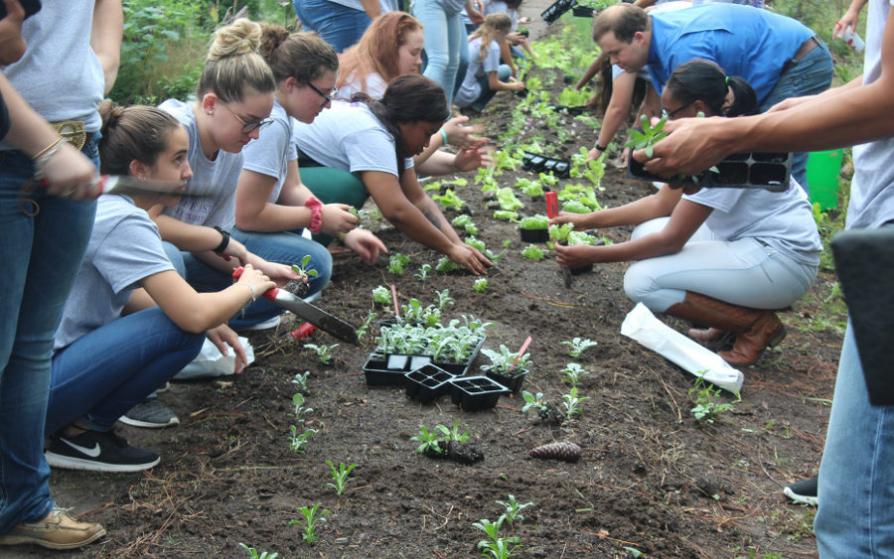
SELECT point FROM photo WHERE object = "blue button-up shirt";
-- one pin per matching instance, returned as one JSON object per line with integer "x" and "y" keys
{"x": 747, "y": 42}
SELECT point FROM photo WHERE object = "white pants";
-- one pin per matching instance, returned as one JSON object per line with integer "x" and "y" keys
{"x": 744, "y": 272}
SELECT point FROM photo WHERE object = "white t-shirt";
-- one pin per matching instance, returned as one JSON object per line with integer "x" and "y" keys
{"x": 471, "y": 88}
{"x": 782, "y": 220}
{"x": 348, "y": 136}
{"x": 872, "y": 188}
{"x": 124, "y": 248}
{"x": 219, "y": 177}
{"x": 375, "y": 87}
{"x": 271, "y": 152}
{"x": 59, "y": 74}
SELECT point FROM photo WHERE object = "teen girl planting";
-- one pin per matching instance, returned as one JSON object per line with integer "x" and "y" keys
{"x": 485, "y": 75}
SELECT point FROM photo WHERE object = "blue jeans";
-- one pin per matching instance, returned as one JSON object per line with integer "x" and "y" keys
{"x": 338, "y": 25}
{"x": 41, "y": 255}
{"x": 856, "y": 478}
{"x": 284, "y": 248}
{"x": 503, "y": 73}
{"x": 808, "y": 76}
{"x": 443, "y": 43}
{"x": 103, "y": 374}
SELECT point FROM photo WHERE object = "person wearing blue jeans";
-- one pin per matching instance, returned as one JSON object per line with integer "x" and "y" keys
{"x": 43, "y": 234}
{"x": 339, "y": 22}
{"x": 444, "y": 42}
{"x": 485, "y": 75}
{"x": 777, "y": 55}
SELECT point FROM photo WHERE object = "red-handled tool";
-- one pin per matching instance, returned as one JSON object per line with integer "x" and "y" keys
{"x": 315, "y": 315}
{"x": 552, "y": 204}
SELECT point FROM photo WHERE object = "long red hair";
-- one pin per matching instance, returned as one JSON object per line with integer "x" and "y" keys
{"x": 377, "y": 49}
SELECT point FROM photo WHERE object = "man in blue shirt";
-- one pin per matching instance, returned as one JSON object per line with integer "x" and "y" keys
{"x": 777, "y": 55}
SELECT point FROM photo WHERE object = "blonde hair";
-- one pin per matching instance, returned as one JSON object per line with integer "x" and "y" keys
{"x": 493, "y": 24}
{"x": 233, "y": 63}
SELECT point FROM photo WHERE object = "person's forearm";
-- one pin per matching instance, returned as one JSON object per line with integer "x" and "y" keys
{"x": 615, "y": 115}
{"x": 434, "y": 143}
{"x": 108, "y": 31}
{"x": 856, "y": 6}
{"x": 188, "y": 237}
{"x": 273, "y": 218}
{"x": 372, "y": 8}
{"x": 433, "y": 213}
{"x": 591, "y": 71}
{"x": 29, "y": 131}
{"x": 437, "y": 164}
{"x": 424, "y": 228}
{"x": 634, "y": 213}
{"x": 649, "y": 246}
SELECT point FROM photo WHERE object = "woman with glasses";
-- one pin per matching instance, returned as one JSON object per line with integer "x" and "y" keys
{"x": 235, "y": 97}
{"x": 272, "y": 205}
{"x": 726, "y": 258}
{"x": 376, "y": 141}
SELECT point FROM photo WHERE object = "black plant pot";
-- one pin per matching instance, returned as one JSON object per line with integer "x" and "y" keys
{"x": 476, "y": 393}
{"x": 534, "y": 235}
{"x": 513, "y": 383}
{"x": 427, "y": 383}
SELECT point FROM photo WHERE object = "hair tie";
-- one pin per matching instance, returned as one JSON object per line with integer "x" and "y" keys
{"x": 726, "y": 81}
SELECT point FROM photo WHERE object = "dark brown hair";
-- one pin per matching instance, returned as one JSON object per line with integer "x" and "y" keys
{"x": 623, "y": 20}
{"x": 702, "y": 80}
{"x": 135, "y": 133}
{"x": 303, "y": 56}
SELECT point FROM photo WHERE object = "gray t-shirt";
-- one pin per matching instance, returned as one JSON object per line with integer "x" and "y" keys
{"x": 219, "y": 177}
{"x": 60, "y": 75}
{"x": 125, "y": 248}
{"x": 471, "y": 89}
{"x": 782, "y": 220}
{"x": 348, "y": 136}
{"x": 872, "y": 188}
{"x": 271, "y": 152}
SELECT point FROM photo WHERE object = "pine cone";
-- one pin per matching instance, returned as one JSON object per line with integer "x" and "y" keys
{"x": 567, "y": 451}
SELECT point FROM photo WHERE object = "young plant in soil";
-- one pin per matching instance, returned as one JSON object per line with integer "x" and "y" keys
{"x": 512, "y": 510}
{"x": 300, "y": 286}
{"x": 707, "y": 400}
{"x": 309, "y": 521}
{"x": 573, "y": 403}
{"x": 339, "y": 476}
{"x": 447, "y": 442}
{"x": 299, "y": 438}
{"x": 300, "y": 382}
{"x": 575, "y": 207}
{"x": 494, "y": 546}
{"x": 508, "y": 200}
{"x": 548, "y": 179}
{"x": 480, "y": 285}
{"x": 465, "y": 222}
{"x": 323, "y": 351}
{"x": 546, "y": 411}
{"x": 505, "y": 215}
{"x": 398, "y": 263}
{"x": 572, "y": 97}
{"x": 449, "y": 200}
{"x": 533, "y": 253}
{"x": 577, "y": 346}
{"x": 445, "y": 265}
{"x": 255, "y": 554}
{"x": 573, "y": 373}
{"x": 479, "y": 245}
{"x": 529, "y": 188}
{"x": 363, "y": 329}
{"x": 381, "y": 295}
{"x": 423, "y": 272}
{"x": 444, "y": 299}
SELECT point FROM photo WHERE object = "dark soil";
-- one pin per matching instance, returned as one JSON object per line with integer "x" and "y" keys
{"x": 650, "y": 477}
{"x": 460, "y": 453}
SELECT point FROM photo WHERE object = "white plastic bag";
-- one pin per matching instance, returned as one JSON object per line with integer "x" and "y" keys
{"x": 642, "y": 326}
{"x": 211, "y": 363}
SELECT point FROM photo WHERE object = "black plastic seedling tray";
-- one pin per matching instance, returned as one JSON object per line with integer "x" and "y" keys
{"x": 556, "y": 9}
{"x": 583, "y": 11}
{"x": 770, "y": 171}
{"x": 534, "y": 235}
{"x": 427, "y": 383}
{"x": 513, "y": 383}
{"x": 389, "y": 370}
{"x": 476, "y": 393}
{"x": 538, "y": 163}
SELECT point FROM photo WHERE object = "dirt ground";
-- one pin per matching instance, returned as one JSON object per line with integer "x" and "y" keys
{"x": 651, "y": 477}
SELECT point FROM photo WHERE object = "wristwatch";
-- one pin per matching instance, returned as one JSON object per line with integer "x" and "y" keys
{"x": 224, "y": 241}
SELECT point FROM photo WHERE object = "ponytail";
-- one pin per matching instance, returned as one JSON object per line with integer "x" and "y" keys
{"x": 701, "y": 80}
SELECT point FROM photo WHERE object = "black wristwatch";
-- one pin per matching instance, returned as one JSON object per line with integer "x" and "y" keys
{"x": 600, "y": 148}
{"x": 225, "y": 240}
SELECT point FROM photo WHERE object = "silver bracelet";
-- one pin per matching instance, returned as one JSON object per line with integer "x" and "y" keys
{"x": 251, "y": 290}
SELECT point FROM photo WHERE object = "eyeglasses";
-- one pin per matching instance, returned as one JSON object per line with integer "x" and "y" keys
{"x": 673, "y": 113}
{"x": 326, "y": 98}
{"x": 248, "y": 126}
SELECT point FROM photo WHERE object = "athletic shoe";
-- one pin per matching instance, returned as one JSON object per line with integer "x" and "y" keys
{"x": 164, "y": 388}
{"x": 98, "y": 451}
{"x": 150, "y": 414}
{"x": 802, "y": 492}
{"x": 57, "y": 531}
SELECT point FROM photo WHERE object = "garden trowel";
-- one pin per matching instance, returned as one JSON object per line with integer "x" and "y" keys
{"x": 315, "y": 315}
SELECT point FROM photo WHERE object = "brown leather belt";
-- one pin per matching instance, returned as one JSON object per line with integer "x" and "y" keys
{"x": 805, "y": 48}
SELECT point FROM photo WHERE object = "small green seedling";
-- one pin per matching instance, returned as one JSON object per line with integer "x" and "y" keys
{"x": 303, "y": 268}
{"x": 649, "y": 136}
{"x": 382, "y": 295}
{"x": 495, "y": 546}
{"x": 255, "y": 554}
{"x": 300, "y": 382}
{"x": 449, "y": 200}
{"x": 707, "y": 402}
{"x": 512, "y": 510}
{"x": 533, "y": 253}
{"x": 339, "y": 475}
{"x": 423, "y": 272}
{"x": 428, "y": 440}
{"x": 577, "y": 346}
{"x": 398, "y": 263}
{"x": 363, "y": 329}
{"x": 445, "y": 265}
{"x": 300, "y": 438}
{"x": 323, "y": 351}
{"x": 444, "y": 299}
{"x": 529, "y": 188}
{"x": 300, "y": 412}
{"x": 572, "y": 403}
{"x": 534, "y": 222}
{"x": 309, "y": 521}
{"x": 506, "y": 362}
{"x": 465, "y": 222}
{"x": 573, "y": 373}
{"x": 534, "y": 402}
{"x": 480, "y": 285}
{"x": 505, "y": 215}
{"x": 507, "y": 200}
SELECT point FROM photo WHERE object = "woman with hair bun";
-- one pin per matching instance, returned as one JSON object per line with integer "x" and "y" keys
{"x": 722, "y": 257}
{"x": 272, "y": 205}
{"x": 116, "y": 344}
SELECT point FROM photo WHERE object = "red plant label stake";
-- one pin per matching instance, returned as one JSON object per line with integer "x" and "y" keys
{"x": 552, "y": 204}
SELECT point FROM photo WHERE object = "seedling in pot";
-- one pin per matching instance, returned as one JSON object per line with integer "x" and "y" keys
{"x": 323, "y": 351}
{"x": 577, "y": 346}
{"x": 381, "y": 295}
{"x": 414, "y": 313}
{"x": 573, "y": 373}
{"x": 534, "y": 222}
{"x": 398, "y": 263}
{"x": 572, "y": 403}
{"x": 309, "y": 520}
{"x": 506, "y": 361}
{"x": 534, "y": 253}
{"x": 439, "y": 439}
{"x": 480, "y": 285}
{"x": 255, "y": 554}
{"x": 512, "y": 510}
{"x": 339, "y": 475}
{"x": 300, "y": 286}
{"x": 300, "y": 382}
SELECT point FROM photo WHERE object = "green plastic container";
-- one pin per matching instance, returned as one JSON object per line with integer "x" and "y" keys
{"x": 823, "y": 169}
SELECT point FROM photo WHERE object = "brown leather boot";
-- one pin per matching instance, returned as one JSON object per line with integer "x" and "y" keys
{"x": 754, "y": 329}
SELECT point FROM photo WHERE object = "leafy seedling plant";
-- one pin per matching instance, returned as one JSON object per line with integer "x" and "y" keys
{"x": 512, "y": 510}
{"x": 300, "y": 382}
{"x": 648, "y": 136}
{"x": 309, "y": 521}
{"x": 449, "y": 200}
{"x": 508, "y": 200}
{"x": 363, "y": 329}
{"x": 253, "y": 553}
{"x": 299, "y": 434}
{"x": 577, "y": 346}
{"x": 707, "y": 399}
{"x": 533, "y": 253}
{"x": 480, "y": 285}
{"x": 445, "y": 265}
{"x": 381, "y": 295}
{"x": 573, "y": 403}
{"x": 573, "y": 373}
{"x": 339, "y": 476}
{"x": 398, "y": 263}
{"x": 495, "y": 546}
{"x": 546, "y": 411}
{"x": 506, "y": 362}
{"x": 505, "y": 215}
{"x": 303, "y": 268}
{"x": 465, "y": 223}
{"x": 572, "y": 97}
{"x": 529, "y": 188}
{"x": 323, "y": 351}
{"x": 423, "y": 272}
{"x": 437, "y": 440}
{"x": 534, "y": 222}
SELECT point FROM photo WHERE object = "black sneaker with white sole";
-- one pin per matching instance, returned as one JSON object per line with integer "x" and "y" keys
{"x": 150, "y": 414}
{"x": 802, "y": 492}
{"x": 97, "y": 451}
